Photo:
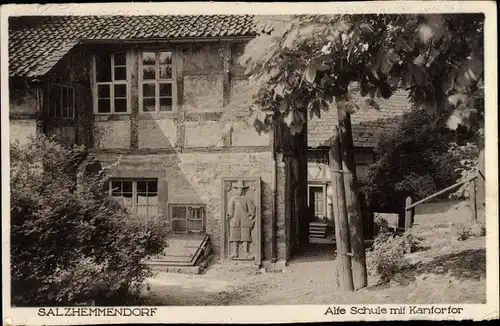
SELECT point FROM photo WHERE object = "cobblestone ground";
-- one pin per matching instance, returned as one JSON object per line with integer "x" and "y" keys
{"x": 447, "y": 271}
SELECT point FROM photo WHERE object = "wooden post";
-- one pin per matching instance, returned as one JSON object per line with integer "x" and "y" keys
{"x": 472, "y": 199}
{"x": 408, "y": 214}
{"x": 360, "y": 274}
{"x": 340, "y": 217}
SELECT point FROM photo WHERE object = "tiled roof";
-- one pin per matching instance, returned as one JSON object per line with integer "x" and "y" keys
{"x": 367, "y": 126}
{"x": 37, "y": 43}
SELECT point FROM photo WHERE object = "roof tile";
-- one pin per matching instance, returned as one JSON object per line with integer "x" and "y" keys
{"x": 33, "y": 40}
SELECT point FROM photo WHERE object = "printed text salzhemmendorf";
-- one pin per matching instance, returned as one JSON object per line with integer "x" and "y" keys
{"x": 90, "y": 312}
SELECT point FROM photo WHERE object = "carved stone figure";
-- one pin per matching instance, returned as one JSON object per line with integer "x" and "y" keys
{"x": 241, "y": 217}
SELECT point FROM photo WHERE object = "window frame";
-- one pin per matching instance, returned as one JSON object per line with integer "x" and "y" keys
{"x": 73, "y": 101}
{"x": 187, "y": 206}
{"x": 135, "y": 192}
{"x": 157, "y": 81}
{"x": 112, "y": 83}
{"x": 323, "y": 186}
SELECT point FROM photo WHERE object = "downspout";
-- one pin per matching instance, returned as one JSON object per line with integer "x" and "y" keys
{"x": 274, "y": 242}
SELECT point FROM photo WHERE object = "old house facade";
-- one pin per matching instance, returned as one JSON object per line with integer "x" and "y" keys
{"x": 146, "y": 94}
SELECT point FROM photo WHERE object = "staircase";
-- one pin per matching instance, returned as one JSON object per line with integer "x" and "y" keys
{"x": 317, "y": 230}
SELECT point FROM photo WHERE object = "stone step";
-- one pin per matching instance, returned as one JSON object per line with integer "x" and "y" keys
{"x": 318, "y": 224}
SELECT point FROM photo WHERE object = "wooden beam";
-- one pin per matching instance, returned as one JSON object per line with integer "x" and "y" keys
{"x": 409, "y": 215}
{"x": 340, "y": 217}
{"x": 181, "y": 118}
{"x": 458, "y": 184}
{"x": 134, "y": 97}
{"x": 226, "y": 83}
{"x": 360, "y": 275}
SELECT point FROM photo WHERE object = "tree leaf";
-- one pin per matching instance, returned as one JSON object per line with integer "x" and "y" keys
{"x": 289, "y": 119}
{"x": 327, "y": 48}
{"x": 310, "y": 74}
{"x": 454, "y": 120}
{"x": 279, "y": 90}
{"x": 290, "y": 38}
{"x": 425, "y": 33}
{"x": 296, "y": 128}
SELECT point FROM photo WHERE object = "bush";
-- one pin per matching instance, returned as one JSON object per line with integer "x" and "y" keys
{"x": 388, "y": 252}
{"x": 70, "y": 242}
{"x": 398, "y": 172}
{"x": 380, "y": 225}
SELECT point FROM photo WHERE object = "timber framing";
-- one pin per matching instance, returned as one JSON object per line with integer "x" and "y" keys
{"x": 147, "y": 151}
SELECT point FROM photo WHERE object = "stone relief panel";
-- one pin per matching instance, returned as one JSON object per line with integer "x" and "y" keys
{"x": 241, "y": 219}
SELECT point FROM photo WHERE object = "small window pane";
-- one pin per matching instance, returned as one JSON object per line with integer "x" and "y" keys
{"x": 165, "y": 90}
{"x": 165, "y": 104}
{"x": 179, "y": 225}
{"x": 103, "y": 68}
{"x": 152, "y": 200}
{"x": 121, "y": 105}
{"x": 71, "y": 96}
{"x": 148, "y": 90}
{"x": 165, "y": 58}
{"x": 141, "y": 186}
{"x": 54, "y": 100}
{"x": 104, "y": 105}
{"x": 166, "y": 72}
{"x": 128, "y": 202}
{"x": 116, "y": 187}
{"x": 148, "y": 105}
{"x": 64, "y": 95}
{"x": 103, "y": 91}
{"x": 179, "y": 212}
{"x": 148, "y": 58}
{"x": 120, "y": 73}
{"x": 128, "y": 195}
{"x": 152, "y": 186}
{"x": 148, "y": 72}
{"x": 71, "y": 113}
{"x": 120, "y": 90}
{"x": 120, "y": 59}
{"x": 195, "y": 226}
{"x": 127, "y": 186}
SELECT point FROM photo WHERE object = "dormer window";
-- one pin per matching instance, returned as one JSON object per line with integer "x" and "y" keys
{"x": 111, "y": 83}
{"x": 157, "y": 85}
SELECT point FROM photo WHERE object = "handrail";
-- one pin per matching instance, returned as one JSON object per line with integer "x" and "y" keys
{"x": 458, "y": 184}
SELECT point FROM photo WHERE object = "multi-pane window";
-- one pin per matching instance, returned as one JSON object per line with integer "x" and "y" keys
{"x": 61, "y": 101}
{"x": 187, "y": 218}
{"x": 140, "y": 197}
{"x": 156, "y": 81}
{"x": 111, "y": 83}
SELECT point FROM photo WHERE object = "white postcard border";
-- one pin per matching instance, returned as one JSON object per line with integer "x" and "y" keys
{"x": 266, "y": 314}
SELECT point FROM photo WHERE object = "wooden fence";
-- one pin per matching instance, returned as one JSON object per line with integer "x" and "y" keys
{"x": 410, "y": 205}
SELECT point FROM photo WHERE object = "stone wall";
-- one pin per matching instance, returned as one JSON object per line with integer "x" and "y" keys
{"x": 22, "y": 111}
{"x": 195, "y": 178}
{"x": 111, "y": 134}
{"x": 22, "y": 130}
